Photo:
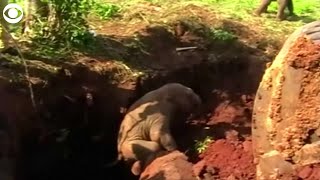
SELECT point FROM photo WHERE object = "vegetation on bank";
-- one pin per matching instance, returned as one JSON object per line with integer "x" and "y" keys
{"x": 59, "y": 31}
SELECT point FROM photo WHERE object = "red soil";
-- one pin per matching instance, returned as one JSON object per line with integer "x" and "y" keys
{"x": 230, "y": 156}
{"x": 229, "y": 159}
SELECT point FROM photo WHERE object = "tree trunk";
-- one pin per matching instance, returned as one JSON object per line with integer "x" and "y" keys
{"x": 30, "y": 10}
{"x": 33, "y": 8}
{"x": 5, "y": 37}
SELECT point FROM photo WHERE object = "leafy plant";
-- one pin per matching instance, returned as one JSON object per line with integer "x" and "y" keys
{"x": 222, "y": 35}
{"x": 201, "y": 146}
{"x": 106, "y": 10}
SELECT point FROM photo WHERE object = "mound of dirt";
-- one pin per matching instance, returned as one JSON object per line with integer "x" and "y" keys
{"x": 229, "y": 159}
{"x": 231, "y": 155}
{"x": 171, "y": 166}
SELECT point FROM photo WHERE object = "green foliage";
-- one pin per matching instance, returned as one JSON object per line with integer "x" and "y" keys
{"x": 201, "y": 146}
{"x": 106, "y": 10}
{"x": 65, "y": 25}
{"x": 222, "y": 35}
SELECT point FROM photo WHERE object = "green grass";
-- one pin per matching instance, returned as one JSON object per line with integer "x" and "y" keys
{"x": 106, "y": 10}
{"x": 239, "y": 10}
{"x": 243, "y": 8}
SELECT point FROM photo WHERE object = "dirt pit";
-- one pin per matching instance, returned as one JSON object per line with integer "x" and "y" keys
{"x": 80, "y": 140}
{"x": 87, "y": 144}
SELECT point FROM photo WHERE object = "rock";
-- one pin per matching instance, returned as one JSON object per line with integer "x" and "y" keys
{"x": 309, "y": 154}
{"x": 272, "y": 166}
{"x": 173, "y": 166}
{"x": 199, "y": 168}
{"x": 317, "y": 132}
{"x": 232, "y": 135}
{"x": 305, "y": 172}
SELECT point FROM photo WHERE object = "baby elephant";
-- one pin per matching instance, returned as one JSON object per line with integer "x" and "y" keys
{"x": 145, "y": 130}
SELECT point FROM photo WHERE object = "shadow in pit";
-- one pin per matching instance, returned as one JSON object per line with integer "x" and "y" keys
{"x": 218, "y": 130}
{"x": 80, "y": 136}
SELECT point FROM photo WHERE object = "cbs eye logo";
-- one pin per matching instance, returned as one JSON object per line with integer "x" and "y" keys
{"x": 12, "y": 13}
